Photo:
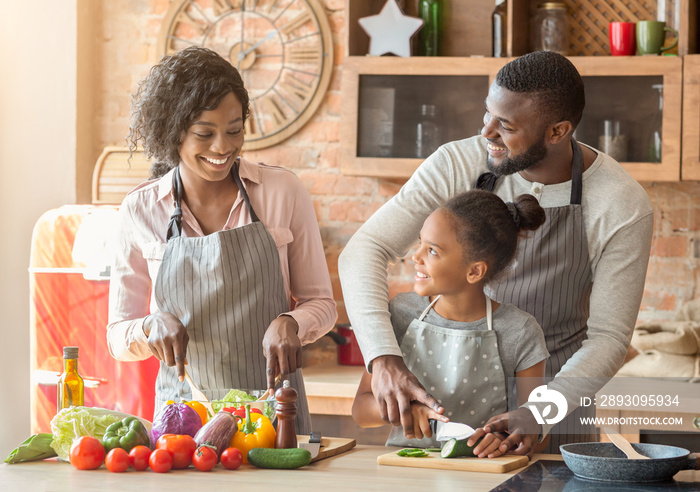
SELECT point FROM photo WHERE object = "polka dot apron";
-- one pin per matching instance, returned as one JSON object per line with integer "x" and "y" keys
{"x": 461, "y": 368}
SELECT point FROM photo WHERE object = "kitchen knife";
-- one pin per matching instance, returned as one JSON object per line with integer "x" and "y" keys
{"x": 444, "y": 431}
{"x": 314, "y": 444}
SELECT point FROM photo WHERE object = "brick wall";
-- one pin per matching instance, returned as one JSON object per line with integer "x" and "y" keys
{"x": 127, "y": 49}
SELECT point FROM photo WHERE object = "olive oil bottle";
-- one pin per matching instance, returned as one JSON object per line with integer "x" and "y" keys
{"x": 70, "y": 384}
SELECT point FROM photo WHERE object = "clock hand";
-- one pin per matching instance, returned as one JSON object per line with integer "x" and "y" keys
{"x": 243, "y": 54}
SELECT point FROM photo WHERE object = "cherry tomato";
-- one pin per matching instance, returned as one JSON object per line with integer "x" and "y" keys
{"x": 117, "y": 460}
{"x": 87, "y": 453}
{"x": 160, "y": 461}
{"x": 204, "y": 458}
{"x": 240, "y": 411}
{"x": 180, "y": 447}
{"x": 231, "y": 458}
{"x": 138, "y": 457}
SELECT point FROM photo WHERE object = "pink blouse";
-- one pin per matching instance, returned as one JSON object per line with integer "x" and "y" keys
{"x": 282, "y": 204}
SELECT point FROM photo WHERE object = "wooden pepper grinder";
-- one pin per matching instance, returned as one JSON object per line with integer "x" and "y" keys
{"x": 286, "y": 411}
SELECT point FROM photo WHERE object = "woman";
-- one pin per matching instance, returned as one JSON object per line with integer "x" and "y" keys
{"x": 227, "y": 251}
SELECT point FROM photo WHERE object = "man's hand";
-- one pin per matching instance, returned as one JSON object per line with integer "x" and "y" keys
{"x": 282, "y": 348}
{"x": 394, "y": 387}
{"x": 167, "y": 340}
{"x": 523, "y": 430}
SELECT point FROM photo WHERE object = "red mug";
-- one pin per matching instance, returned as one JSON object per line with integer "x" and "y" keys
{"x": 623, "y": 40}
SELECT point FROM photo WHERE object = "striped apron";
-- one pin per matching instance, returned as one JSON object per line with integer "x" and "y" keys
{"x": 226, "y": 288}
{"x": 552, "y": 280}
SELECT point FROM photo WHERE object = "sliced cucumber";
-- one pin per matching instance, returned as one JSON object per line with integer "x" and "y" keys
{"x": 279, "y": 458}
{"x": 458, "y": 448}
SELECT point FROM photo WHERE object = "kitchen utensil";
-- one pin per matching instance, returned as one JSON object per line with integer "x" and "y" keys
{"x": 444, "y": 431}
{"x": 501, "y": 464}
{"x": 268, "y": 392}
{"x": 624, "y": 445}
{"x": 197, "y": 394}
{"x": 313, "y": 445}
{"x": 330, "y": 446}
{"x": 605, "y": 462}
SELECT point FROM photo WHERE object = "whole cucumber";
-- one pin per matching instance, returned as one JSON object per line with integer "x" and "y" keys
{"x": 458, "y": 448}
{"x": 279, "y": 458}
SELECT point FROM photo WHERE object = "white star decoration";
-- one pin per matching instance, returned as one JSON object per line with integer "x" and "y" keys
{"x": 390, "y": 31}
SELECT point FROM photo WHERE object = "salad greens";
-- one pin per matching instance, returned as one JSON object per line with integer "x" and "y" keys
{"x": 239, "y": 397}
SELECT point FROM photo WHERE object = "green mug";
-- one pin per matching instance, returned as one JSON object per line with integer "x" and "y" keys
{"x": 651, "y": 36}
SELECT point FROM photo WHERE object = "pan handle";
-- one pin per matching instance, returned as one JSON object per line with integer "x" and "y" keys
{"x": 692, "y": 462}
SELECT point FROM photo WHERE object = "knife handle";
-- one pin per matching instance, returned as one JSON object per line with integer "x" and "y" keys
{"x": 433, "y": 425}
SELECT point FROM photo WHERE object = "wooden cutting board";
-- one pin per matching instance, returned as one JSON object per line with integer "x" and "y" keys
{"x": 501, "y": 464}
{"x": 330, "y": 446}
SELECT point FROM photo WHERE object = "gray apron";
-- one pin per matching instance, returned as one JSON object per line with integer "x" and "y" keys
{"x": 553, "y": 281}
{"x": 461, "y": 368}
{"x": 226, "y": 288}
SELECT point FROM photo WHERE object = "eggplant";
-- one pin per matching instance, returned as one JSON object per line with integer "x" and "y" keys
{"x": 218, "y": 432}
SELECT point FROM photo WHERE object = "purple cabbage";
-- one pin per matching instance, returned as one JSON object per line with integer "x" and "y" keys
{"x": 176, "y": 418}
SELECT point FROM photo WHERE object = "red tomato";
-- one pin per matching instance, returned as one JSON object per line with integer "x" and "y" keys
{"x": 138, "y": 457}
{"x": 240, "y": 412}
{"x": 160, "y": 461}
{"x": 180, "y": 447}
{"x": 87, "y": 453}
{"x": 231, "y": 458}
{"x": 204, "y": 458}
{"x": 117, "y": 460}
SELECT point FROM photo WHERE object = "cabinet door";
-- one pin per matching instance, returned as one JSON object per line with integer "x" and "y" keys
{"x": 691, "y": 118}
{"x": 383, "y": 99}
{"x": 643, "y": 94}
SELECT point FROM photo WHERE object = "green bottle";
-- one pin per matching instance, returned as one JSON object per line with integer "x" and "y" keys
{"x": 429, "y": 35}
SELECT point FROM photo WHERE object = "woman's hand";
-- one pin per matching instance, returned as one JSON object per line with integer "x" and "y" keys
{"x": 488, "y": 447}
{"x": 167, "y": 340}
{"x": 282, "y": 348}
{"x": 421, "y": 425}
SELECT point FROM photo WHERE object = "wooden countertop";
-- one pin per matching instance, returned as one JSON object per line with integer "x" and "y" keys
{"x": 355, "y": 470}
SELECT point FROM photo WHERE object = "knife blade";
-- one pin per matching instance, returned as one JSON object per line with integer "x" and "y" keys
{"x": 444, "y": 431}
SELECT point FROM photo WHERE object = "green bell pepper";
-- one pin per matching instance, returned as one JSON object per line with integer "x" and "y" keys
{"x": 126, "y": 434}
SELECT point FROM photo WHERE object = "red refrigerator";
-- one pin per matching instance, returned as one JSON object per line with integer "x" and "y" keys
{"x": 69, "y": 291}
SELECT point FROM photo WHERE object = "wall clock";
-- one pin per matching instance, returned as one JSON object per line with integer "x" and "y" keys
{"x": 283, "y": 49}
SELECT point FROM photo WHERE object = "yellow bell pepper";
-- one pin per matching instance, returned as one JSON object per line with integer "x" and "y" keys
{"x": 197, "y": 407}
{"x": 256, "y": 431}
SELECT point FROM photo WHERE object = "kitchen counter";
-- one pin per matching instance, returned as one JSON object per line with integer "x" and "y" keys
{"x": 354, "y": 470}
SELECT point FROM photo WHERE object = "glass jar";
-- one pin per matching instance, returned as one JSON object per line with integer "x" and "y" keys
{"x": 613, "y": 140}
{"x": 550, "y": 28}
{"x": 427, "y": 132}
{"x": 499, "y": 23}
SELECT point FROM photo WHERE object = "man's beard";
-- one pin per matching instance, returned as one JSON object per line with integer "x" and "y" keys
{"x": 529, "y": 158}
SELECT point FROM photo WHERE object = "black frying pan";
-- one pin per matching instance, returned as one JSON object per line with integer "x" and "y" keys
{"x": 603, "y": 461}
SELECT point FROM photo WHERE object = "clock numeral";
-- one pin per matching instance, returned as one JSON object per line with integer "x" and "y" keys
{"x": 295, "y": 86}
{"x": 251, "y": 127}
{"x": 296, "y": 23}
{"x": 271, "y": 107}
{"x": 305, "y": 55}
{"x": 221, "y": 6}
{"x": 186, "y": 18}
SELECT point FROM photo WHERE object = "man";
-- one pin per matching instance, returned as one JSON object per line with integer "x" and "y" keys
{"x": 581, "y": 275}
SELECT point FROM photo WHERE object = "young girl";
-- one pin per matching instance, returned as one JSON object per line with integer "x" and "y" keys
{"x": 461, "y": 345}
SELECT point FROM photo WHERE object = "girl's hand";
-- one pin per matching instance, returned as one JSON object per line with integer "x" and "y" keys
{"x": 488, "y": 447}
{"x": 282, "y": 348}
{"x": 421, "y": 415}
{"x": 167, "y": 340}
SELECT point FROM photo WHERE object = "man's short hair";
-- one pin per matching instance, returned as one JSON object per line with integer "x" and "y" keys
{"x": 552, "y": 79}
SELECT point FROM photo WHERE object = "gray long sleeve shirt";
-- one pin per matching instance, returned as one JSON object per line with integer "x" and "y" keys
{"x": 618, "y": 218}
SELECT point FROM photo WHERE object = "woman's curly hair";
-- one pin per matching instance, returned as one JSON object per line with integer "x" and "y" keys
{"x": 170, "y": 98}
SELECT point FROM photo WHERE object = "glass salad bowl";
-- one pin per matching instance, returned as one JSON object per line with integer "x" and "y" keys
{"x": 238, "y": 398}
